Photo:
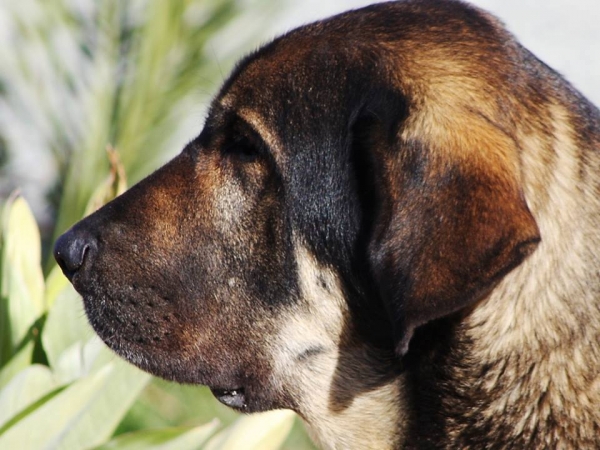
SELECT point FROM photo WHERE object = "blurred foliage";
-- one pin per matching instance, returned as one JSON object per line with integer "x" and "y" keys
{"x": 102, "y": 87}
{"x": 92, "y": 73}
{"x": 3, "y": 152}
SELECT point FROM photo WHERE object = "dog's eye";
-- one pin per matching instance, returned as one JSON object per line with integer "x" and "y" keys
{"x": 242, "y": 148}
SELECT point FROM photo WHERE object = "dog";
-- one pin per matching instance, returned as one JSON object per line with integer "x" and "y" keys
{"x": 388, "y": 224}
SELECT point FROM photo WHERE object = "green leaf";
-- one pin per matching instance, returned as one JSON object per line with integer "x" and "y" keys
{"x": 56, "y": 337}
{"x": 54, "y": 418}
{"x": 73, "y": 351}
{"x": 180, "y": 438}
{"x": 25, "y": 388}
{"x": 22, "y": 245}
{"x": 83, "y": 415}
{"x": 264, "y": 431}
{"x": 56, "y": 282}
{"x": 81, "y": 359}
{"x": 20, "y": 361}
{"x": 97, "y": 423}
{"x": 21, "y": 278}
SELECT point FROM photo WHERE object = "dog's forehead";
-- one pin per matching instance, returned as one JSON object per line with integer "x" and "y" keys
{"x": 307, "y": 60}
{"x": 278, "y": 90}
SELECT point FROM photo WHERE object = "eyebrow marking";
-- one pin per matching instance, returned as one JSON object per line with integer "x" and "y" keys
{"x": 254, "y": 120}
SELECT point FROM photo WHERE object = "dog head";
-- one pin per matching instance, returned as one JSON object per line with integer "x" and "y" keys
{"x": 353, "y": 181}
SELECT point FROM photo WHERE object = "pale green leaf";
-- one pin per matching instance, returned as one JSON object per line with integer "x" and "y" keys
{"x": 264, "y": 431}
{"x": 83, "y": 415}
{"x": 55, "y": 418}
{"x": 21, "y": 278}
{"x": 56, "y": 282}
{"x": 180, "y": 438}
{"x": 66, "y": 325}
{"x": 98, "y": 421}
{"x": 22, "y": 247}
{"x": 20, "y": 361}
{"x": 25, "y": 388}
{"x": 81, "y": 359}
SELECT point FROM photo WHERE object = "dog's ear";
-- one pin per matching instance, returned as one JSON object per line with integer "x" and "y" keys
{"x": 449, "y": 216}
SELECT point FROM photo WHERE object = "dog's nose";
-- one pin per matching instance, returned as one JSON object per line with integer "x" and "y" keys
{"x": 73, "y": 249}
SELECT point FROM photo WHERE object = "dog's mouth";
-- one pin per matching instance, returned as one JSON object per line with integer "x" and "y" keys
{"x": 234, "y": 398}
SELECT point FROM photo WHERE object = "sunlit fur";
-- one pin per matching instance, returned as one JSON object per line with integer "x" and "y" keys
{"x": 369, "y": 420}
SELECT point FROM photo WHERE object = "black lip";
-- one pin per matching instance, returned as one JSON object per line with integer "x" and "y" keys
{"x": 234, "y": 398}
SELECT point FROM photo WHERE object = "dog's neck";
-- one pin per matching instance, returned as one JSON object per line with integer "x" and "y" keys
{"x": 525, "y": 361}
{"x": 357, "y": 405}
{"x": 369, "y": 421}
{"x": 351, "y": 394}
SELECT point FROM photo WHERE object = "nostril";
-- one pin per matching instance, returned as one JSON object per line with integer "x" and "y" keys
{"x": 72, "y": 250}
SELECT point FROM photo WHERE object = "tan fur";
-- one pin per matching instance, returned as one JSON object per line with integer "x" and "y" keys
{"x": 540, "y": 328}
{"x": 258, "y": 123}
{"x": 370, "y": 421}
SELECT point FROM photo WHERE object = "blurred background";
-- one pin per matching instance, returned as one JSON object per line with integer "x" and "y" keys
{"x": 94, "y": 95}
